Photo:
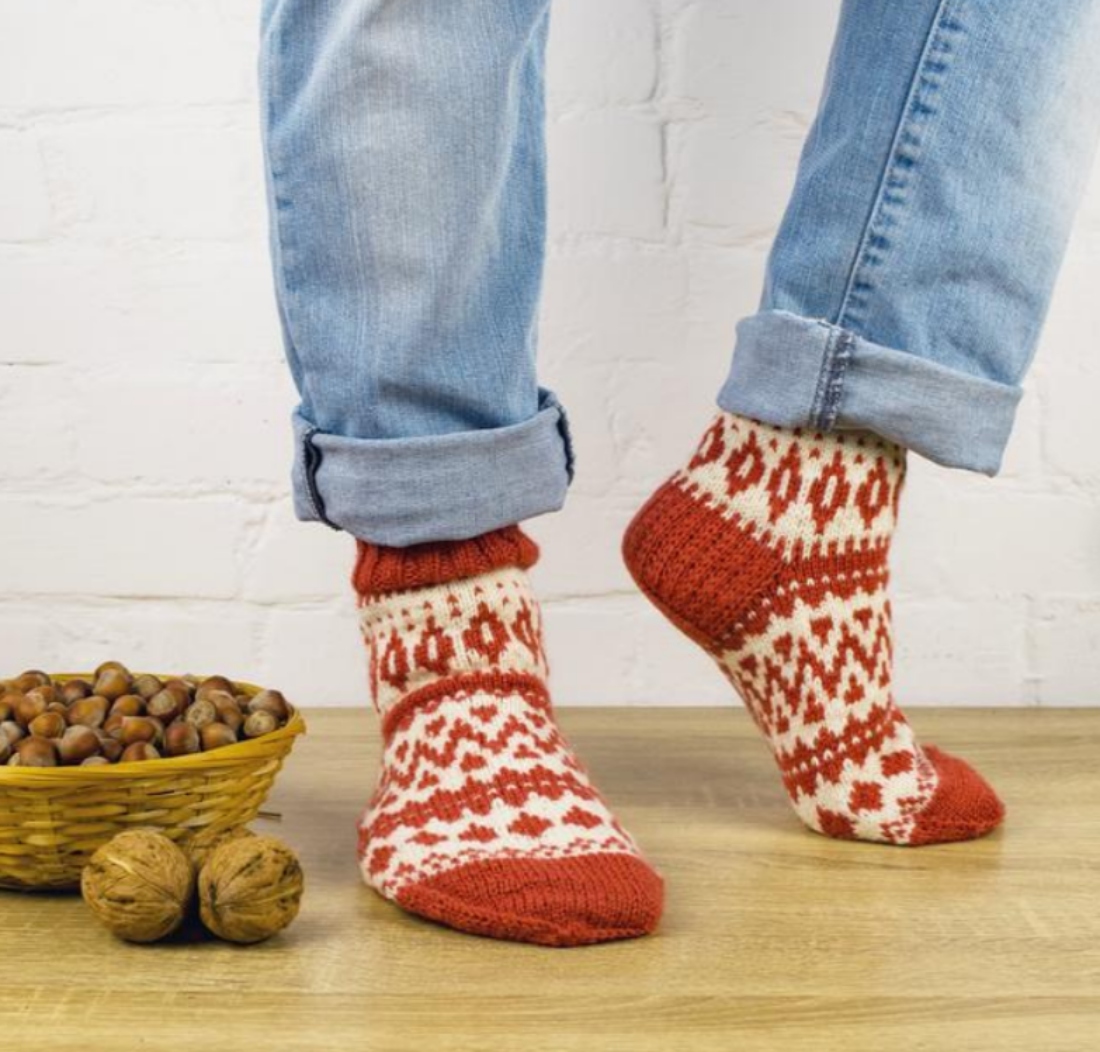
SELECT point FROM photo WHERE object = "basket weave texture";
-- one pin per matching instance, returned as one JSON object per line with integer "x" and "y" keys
{"x": 53, "y": 818}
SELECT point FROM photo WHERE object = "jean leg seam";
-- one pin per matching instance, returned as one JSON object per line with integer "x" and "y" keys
{"x": 839, "y": 346}
{"x": 279, "y": 238}
{"x": 903, "y": 159}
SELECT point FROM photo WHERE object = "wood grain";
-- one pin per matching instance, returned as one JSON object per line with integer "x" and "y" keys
{"x": 773, "y": 937}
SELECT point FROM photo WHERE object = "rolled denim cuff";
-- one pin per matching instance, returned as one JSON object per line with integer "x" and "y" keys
{"x": 404, "y": 491}
{"x": 793, "y": 371}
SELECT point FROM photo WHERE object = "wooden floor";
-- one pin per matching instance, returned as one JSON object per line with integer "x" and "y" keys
{"x": 773, "y": 938}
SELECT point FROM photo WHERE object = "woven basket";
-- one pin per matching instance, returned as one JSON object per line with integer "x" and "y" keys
{"x": 53, "y": 818}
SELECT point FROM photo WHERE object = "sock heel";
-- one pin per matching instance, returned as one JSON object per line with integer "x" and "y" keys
{"x": 702, "y": 570}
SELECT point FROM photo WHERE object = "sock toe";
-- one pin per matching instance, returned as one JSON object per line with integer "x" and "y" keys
{"x": 552, "y": 902}
{"x": 963, "y": 807}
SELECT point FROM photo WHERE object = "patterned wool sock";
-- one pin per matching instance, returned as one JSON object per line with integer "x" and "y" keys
{"x": 482, "y": 818}
{"x": 770, "y": 548}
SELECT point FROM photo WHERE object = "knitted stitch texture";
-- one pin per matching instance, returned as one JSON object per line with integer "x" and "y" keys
{"x": 770, "y": 550}
{"x": 482, "y": 817}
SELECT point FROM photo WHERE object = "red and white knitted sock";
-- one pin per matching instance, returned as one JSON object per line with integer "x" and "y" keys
{"x": 483, "y": 818}
{"x": 770, "y": 548}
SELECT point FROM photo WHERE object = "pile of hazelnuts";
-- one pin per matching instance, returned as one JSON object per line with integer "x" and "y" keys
{"x": 115, "y": 716}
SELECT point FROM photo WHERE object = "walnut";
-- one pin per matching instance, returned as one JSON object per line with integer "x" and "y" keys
{"x": 139, "y": 885}
{"x": 250, "y": 888}
{"x": 202, "y": 845}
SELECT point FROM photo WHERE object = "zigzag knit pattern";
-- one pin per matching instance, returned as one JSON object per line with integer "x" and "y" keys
{"x": 770, "y": 549}
{"x": 483, "y": 818}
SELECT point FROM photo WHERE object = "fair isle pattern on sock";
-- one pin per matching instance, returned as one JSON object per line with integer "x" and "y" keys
{"x": 482, "y": 817}
{"x": 770, "y": 548}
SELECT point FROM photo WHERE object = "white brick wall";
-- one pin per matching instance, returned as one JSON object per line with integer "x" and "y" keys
{"x": 144, "y": 400}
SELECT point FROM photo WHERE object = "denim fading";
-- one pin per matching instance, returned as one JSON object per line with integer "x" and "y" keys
{"x": 405, "y": 166}
{"x": 405, "y": 170}
{"x": 935, "y": 194}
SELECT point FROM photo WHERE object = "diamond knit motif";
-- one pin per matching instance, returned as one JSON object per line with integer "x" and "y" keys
{"x": 482, "y": 817}
{"x": 770, "y": 548}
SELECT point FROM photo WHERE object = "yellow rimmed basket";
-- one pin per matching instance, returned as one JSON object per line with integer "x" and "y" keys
{"x": 53, "y": 818}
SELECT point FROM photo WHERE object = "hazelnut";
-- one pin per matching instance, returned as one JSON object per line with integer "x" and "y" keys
{"x": 270, "y": 701}
{"x": 128, "y": 705}
{"x": 77, "y": 744}
{"x": 29, "y": 680}
{"x": 35, "y": 751}
{"x": 180, "y": 686}
{"x": 139, "y": 751}
{"x": 139, "y": 729}
{"x": 116, "y": 666}
{"x": 48, "y": 725}
{"x": 47, "y": 692}
{"x": 147, "y": 685}
{"x": 139, "y": 884}
{"x": 75, "y": 689}
{"x": 89, "y": 712}
{"x": 112, "y": 726}
{"x": 200, "y": 713}
{"x": 212, "y": 683}
{"x": 166, "y": 705}
{"x": 12, "y": 731}
{"x": 259, "y": 723}
{"x": 112, "y": 683}
{"x": 28, "y": 707}
{"x": 216, "y": 696}
{"x": 229, "y": 712}
{"x": 94, "y": 761}
{"x": 110, "y": 748}
{"x": 215, "y": 735}
{"x": 182, "y": 739}
{"x": 59, "y": 707}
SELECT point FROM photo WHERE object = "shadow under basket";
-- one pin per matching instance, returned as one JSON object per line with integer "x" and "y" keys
{"x": 53, "y": 818}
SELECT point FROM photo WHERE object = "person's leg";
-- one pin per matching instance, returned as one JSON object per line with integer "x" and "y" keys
{"x": 405, "y": 167}
{"x": 934, "y": 199}
{"x": 903, "y": 301}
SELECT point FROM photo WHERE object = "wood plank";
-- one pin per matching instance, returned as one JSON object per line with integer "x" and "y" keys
{"x": 772, "y": 935}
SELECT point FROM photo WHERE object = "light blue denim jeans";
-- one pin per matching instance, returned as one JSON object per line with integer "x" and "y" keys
{"x": 405, "y": 178}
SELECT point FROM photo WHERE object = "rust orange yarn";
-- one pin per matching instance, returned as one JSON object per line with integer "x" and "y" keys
{"x": 482, "y": 817}
{"x": 770, "y": 550}
{"x": 380, "y": 569}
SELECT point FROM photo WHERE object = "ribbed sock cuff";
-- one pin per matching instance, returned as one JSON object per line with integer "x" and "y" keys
{"x": 380, "y": 569}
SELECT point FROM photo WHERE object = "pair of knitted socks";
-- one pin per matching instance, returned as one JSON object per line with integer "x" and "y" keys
{"x": 769, "y": 548}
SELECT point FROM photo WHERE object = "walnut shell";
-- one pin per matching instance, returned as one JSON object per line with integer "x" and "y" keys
{"x": 139, "y": 885}
{"x": 202, "y": 845}
{"x": 250, "y": 888}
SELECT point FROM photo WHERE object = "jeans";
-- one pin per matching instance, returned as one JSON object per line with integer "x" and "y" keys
{"x": 405, "y": 178}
